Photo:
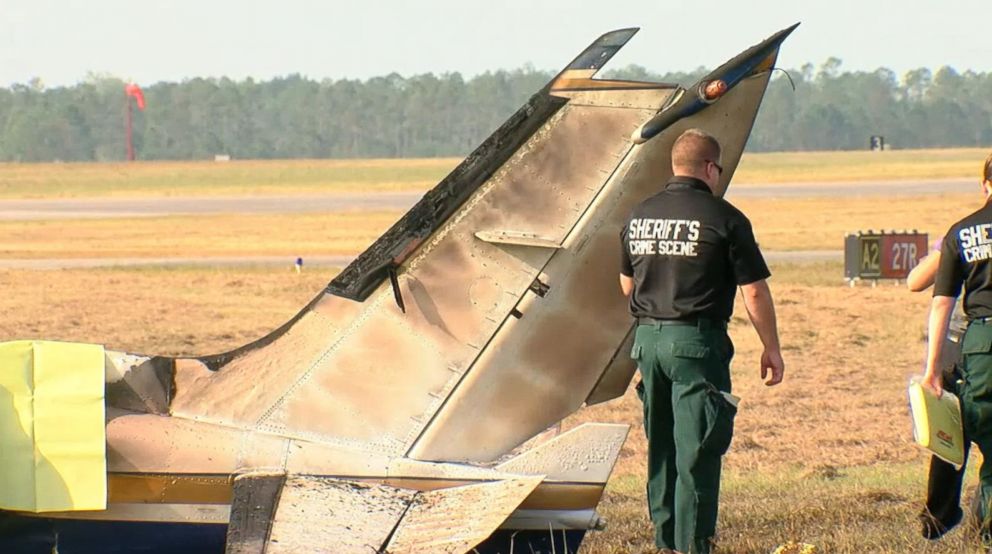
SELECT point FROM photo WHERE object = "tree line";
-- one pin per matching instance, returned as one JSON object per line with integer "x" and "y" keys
{"x": 811, "y": 108}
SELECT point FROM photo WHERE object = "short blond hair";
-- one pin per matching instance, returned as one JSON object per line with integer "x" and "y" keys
{"x": 987, "y": 169}
{"x": 694, "y": 148}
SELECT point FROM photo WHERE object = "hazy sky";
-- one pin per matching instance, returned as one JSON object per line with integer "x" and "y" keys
{"x": 150, "y": 41}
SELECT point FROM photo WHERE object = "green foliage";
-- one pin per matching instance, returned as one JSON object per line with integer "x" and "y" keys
{"x": 447, "y": 115}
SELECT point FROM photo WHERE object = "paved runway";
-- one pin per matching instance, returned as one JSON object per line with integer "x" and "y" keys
{"x": 75, "y": 208}
{"x": 89, "y": 263}
{"x": 92, "y": 208}
{"x": 101, "y": 208}
{"x": 868, "y": 188}
{"x": 801, "y": 256}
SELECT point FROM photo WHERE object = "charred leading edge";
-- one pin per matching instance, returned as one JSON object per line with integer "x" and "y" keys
{"x": 387, "y": 415}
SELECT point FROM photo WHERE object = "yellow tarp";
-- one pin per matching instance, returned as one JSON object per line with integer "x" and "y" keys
{"x": 937, "y": 423}
{"x": 52, "y": 427}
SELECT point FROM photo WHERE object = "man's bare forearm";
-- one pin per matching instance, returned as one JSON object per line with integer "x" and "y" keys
{"x": 761, "y": 309}
{"x": 940, "y": 317}
{"x": 922, "y": 276}
{"x": 626, "y": 284}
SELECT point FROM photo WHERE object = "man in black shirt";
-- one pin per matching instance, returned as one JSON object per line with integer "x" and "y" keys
{"x": 966, "y": 260}
{"x": 685, "y": 252}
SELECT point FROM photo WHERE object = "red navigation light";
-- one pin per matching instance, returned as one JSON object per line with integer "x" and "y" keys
{"x": 714, "y": 89}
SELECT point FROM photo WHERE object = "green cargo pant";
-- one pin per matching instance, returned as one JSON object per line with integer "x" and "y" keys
{"x": 689, "y": 425}
{"x": 976, "y": 408}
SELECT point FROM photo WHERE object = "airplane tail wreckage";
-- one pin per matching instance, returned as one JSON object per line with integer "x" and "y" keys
{"x": 397, "y": 412}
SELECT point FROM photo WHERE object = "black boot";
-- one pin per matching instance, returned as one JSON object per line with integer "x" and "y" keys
{"x": 943, "y": 507}
{"x": 933, "y": 528}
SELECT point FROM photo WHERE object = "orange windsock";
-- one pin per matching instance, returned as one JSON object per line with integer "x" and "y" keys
{"x": 134, "y": 91}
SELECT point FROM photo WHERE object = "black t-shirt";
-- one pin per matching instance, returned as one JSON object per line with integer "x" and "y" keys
{"x": 687, "y": 252}
{"x": 966, "y": 259}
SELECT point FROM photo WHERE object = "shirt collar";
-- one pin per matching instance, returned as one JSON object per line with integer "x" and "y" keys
{"x": 682, "y": 182}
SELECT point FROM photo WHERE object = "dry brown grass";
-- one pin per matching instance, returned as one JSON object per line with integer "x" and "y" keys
{"x": 861, "y": 165}
{"x": 825, "y": 458}
{"x": 151, "y": 310}
{"x": 239, "y": 177}
{"x": 259, "y": 177}
{"x": 185, "y": 236}
{"x": 821, "y": 223}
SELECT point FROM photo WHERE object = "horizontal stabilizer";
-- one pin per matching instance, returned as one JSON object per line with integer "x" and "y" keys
{"x": 585, "y": 454}
{"x": 455, "y": 520}
{"x": 322, "y": 514}
{"x": 253, "y": 507}
{"x": 272, "y": 513}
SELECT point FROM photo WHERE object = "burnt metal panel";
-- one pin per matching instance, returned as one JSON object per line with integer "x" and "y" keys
{"x": 327, "y": 515}
{"x": 256, "y": 496}
{"x": 162, "y": 444}
{"x": 369, "y": 270}
{"x": 215, "y": 361}
{"x": 144, "y": 384}
{"x": 371, "y": 267}
{"x": 617, "y": 375}
{"x": 542, "y": 367}
{"x": 458, "y": 291}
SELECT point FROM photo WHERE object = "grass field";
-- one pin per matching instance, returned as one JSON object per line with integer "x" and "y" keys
{"x": 170, "y": 311}
{"x": 821, "y": 223}
{"x": 802, "y": 167}
{"x": 67, "y": 180}
{"x": 181, "y": 236}
{"x": 824, "y": 458}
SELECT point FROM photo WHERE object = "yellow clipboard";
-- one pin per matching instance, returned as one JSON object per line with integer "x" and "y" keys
{"x": 937, "y": 423}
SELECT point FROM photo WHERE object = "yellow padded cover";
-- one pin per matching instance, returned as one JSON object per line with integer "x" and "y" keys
{"x": 52, "y": 427}
{"x": 937, "y": 423}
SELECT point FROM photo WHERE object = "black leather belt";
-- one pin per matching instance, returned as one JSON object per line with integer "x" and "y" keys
{"x": 701, "y": 322}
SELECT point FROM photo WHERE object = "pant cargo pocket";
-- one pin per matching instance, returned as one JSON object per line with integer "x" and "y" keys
{"x": 720, "y": 415}
{"x": 691, "y": 350}
{"x": 976, "y": 350}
